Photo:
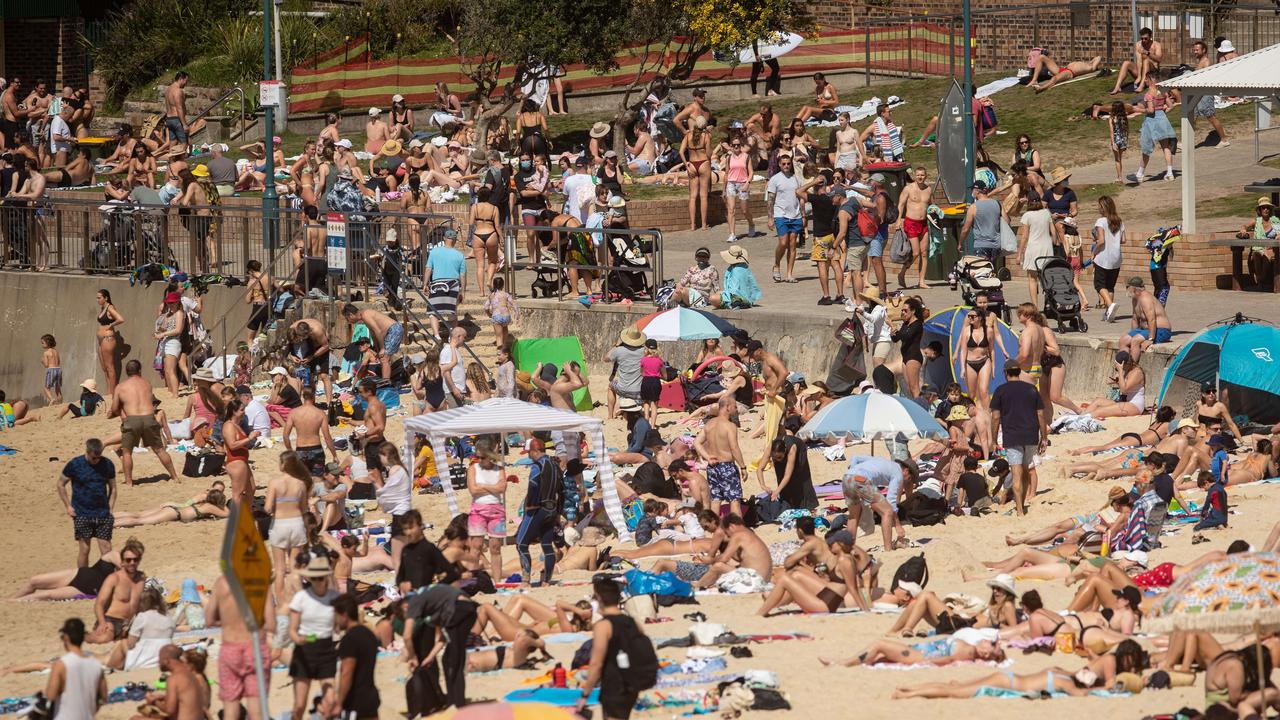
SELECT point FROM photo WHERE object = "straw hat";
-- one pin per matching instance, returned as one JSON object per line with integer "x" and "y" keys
{"x": 631, "y": 337}
{"x": 1003, "y": 581}
{"x": 91, "y": 385}
{"x": 958, "y": 413}
{"x": 735, "y": 254}
{"x": 599, "y": 130}
{"x": 1114, "y": 494}
{"x": 872, "y": 294}
{"x": 627, "y": 405}
{"x": 1059, "y": 174}
{"x": 317, "y": 568}
{"x": 200, "y": 171}
{"x": 392, "y": 147}
{"x": 1265, "y": 201}
{"x": 524, "y": 380}
{"x": 204, "y": 374}
{"x": 730, "y": 369}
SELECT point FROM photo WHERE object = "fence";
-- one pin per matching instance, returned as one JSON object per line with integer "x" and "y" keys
{"x": 931, "y": 43}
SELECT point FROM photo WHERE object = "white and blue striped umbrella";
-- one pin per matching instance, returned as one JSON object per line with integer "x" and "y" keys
{"x": 869, "y": 416}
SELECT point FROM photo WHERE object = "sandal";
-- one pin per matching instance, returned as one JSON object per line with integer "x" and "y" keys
{"x": 777, "y": 276}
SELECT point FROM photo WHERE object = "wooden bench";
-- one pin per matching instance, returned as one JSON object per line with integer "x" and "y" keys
{"x": 1239, "y": 278}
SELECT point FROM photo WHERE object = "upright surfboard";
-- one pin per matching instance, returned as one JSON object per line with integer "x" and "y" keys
{"x": 950, "y": 146}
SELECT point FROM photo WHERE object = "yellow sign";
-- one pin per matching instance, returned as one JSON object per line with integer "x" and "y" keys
{"x": 246, "y": 563}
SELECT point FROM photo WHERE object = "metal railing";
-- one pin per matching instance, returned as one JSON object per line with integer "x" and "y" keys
{"x": 554, "y": 264}
{"x": 244, "y": 117}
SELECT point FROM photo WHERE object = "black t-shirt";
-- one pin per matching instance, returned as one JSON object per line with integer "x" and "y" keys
{"x": 289, "y": 397}
{"x": 799, "y": 492}
{"x": 535, "y": 202}
{"x": 649, "y": 479}
{"x": 421, "y": 563}
{"x": 1019, "y": 404}
{"x": 498, "y": 181}
{"x": 824, "y": 213}
{"x": 937, "y": 373}
{"x": 1163, "y": 484}
{"x": 1059, "y": 204}
{"x": 974, "y": 486}
{"x": 360, "y": 643}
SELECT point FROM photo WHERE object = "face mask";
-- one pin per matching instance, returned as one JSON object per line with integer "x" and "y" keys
{"x": 703, "y": 263}
{"x": 525, "y": 164}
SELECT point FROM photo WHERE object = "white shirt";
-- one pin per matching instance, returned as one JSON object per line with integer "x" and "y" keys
{"x": 458, "y": 373}
{"x": 874, "y": 325}
{"x": 395, "y": 497}
{"x": 151, "y": 625}
{"x": 786, "y": 204}
{"x": 80, "y": 692}
{"x": 490, "y": 478}
{"x": 315, "y": 612}
{"x": 692, "y": 527}
{"x": 256, "y": 415}
{"x": 1108, "y": 258}
{"x": 59, "y": 127}
{"x": 578, "y": 187}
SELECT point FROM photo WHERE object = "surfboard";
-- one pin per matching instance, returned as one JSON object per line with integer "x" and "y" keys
{"x": 774, "y": 46}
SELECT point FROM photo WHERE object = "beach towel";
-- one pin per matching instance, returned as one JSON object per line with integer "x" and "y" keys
{"x": 996, "y": 86}
{"x": 773, "y": 409}
{"x": 6, "y": 450}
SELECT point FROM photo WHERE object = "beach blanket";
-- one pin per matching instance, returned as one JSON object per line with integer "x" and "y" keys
{"x": 1008, "y": 662}
{"x": 993, "y": 692}
{"x": 859, "y": 112}
{"x": 996, "y": 86}
{"x": 560, "y": 697}
{"x": 6, "y": 450}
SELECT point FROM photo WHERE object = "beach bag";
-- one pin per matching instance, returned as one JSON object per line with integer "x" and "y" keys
{"x": 987, "y": 114}
{"x": 641, "y": 607}
{"x": 581, "y": 656}
{"x": 203, "y": 464}
{"x": 867, "y": 226}
{"x": 920, "y": 509}
{"x": 891, "y": 210}
{"x": 915, "y": 570}
{"x": 636, "y": 657}
{"x": 1008, "y": 239}
{"x": 900, "y": 248}
{"x": 662, "y": 297}
{"x": 640, "y": 582}
{"x": 850, "y": 333}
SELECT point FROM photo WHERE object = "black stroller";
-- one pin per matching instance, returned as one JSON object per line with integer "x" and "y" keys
{"x": 1061, "y": 300}
{"x": 974, "y": 274}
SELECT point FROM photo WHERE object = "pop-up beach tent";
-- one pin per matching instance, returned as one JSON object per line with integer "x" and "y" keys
{"x": 504, "y": 415}
{"x": 1241, "y": 359}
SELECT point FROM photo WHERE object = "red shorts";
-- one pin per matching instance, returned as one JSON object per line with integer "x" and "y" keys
{"x": 235, "y": 671}
{"x": 1160, "y": 576}
{"x": 914, "y": 228}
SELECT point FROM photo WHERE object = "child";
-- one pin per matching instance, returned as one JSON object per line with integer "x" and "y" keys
{"x": 89, "y": 401}
{"x": 426, "y": 476}
{"x": 652, "y": 520}
{"x": 1118, "y": 122}
{"x": 502, "y": 310}
{"x": 369, "y": 365}
{"x": 1214, "y": 512}
{"x": 651, "y": 380}
{"x": 1218, "y": 462}
{"x": 243, "y": 367}
{"x": 52, "y": 370}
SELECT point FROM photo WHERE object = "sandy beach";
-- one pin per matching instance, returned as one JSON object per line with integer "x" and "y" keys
{"x": 38, "y": 535}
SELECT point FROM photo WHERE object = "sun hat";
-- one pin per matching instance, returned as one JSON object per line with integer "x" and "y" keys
{"x": 277, "y": 370}
{"x": 872, "y": 294}
{"x": 1226, "y": 47}
{"x": 392, "y": 147}
{"x": 374, "y": 112}
{"x": 617, "y": 201}
{"x": 1114, "y": 494}
{"x": 418, "y": 358}
{"x": 91, "y": 385}
{"x": 190, "y": 591}
{"x": 524, "y": 380}
{"x": 343, "y": 143}
{"x": 599, "y": 130}
{"x": 730, "y": 369}
{"x": 809, "y": 392}
{"x": 1138, "y": 557}
{"x": 913, "y": 589}
{"x": 958, "y": 413}
{"x": 631, "y": 336}
{"x": 200, "y": 171}
{"x": 1265, "y": 201}
{"x": 1003, "y": 581}
{"x": 397, "y": 98}
{"x": 198, "y": 422}
{"x": 843, "y": 537}
{"x": 204, "y": 374}
{"x": 318, "y": 567}
{"x": 172, "y": 297}
{"x": 735, "y": 254}
{"x": 415, "y": 143}
{"x": 1059, "y": 174}
{"x": 628, "y": 405}
{"x": 609, "y": 155}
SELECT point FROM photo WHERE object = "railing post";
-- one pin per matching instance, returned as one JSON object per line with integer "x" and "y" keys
{"x": 866, "y": 52}
{"x": 57, "y": 229}
{"x": 951, "y": 46}
{"x": 86, "y": 260}
{"x": 909, "y": 72}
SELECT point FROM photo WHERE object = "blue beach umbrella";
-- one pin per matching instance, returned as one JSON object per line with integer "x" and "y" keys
{"x": 869, "y": 416}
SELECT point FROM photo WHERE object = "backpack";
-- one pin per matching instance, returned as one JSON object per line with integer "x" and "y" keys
{"x": 641, "y": 659}
{"x": 920, "y": 509}
{"x": 867, "y": 225}
{"x": 891, "y": 210}
{"x": 915, "y": 570}
{"x": 987, "y": 114}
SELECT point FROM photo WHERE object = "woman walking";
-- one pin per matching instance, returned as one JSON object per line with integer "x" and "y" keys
{"x": 737, "y": 187}
{"x": 169, "y": 328}
{"x": 109, "y": 318}
{"x": 315, "y": 655}
{"x": 287, "y": 496}
{"x": 1036, "y": 240}
{"x": 909, "y": 334}
{"x": 236, "y": 444}
{"x": 1108, "y": 238}
{"x": 1156, "y": 129}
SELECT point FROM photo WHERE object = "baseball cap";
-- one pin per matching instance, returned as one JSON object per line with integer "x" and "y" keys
{"x": 999, "y": 467}
{"x": 1012, "y": 367}
{"x": 333, "y": 468}
{"x": 243, "y": 390}
{"x": 843, "y": 537}
{"x": 1123, "y": 356}
{"x": 980, "y": 185}
{"x": 1135, "y": 282}
{"x": 374, "y": 112}
{"x": 610, "y": 154}
{"x": 877, "y": 178}
{"x": 277, "y": 370}
{"x": 1208, "y": 387}
{"x": 397, "y": 98}
{"x": 1217, "y": 440}
{"x": 344, "y": 143}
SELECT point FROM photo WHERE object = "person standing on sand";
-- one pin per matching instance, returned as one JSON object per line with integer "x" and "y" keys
{"x": 774, "y": 373}
{"x": 134, "y": 403}
{"x": 560, "y": 393}
{"x": 375, "y": 424}
{"x": 93, "y": 497}
{"x": 77, "y": 682}
{"x": 109, "y": 318}
{"x": 717, "y": 445}
{"x": 386, "y": 331}
{"x": 912, "y": 204}
{"x": 236, "y": 679}
{"x": 1016, "y": 408}
{"x": 312, "y": 425}
{"x": 541, "y": 513}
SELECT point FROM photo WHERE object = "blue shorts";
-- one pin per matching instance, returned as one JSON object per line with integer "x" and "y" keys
{"x": 1020, "y": 454}
{"x": 788, "y": 226}
{"x": 176, "y": 129}
{"x": 1163, "y": 335}
{"x": 391, "y": 342}
{"x": 875, "y": 248}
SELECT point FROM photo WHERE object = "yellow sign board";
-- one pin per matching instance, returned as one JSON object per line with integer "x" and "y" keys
{"x": 246, "y": 563}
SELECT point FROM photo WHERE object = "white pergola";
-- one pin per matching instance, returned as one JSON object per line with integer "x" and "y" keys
{"x": 1256, "y": 74}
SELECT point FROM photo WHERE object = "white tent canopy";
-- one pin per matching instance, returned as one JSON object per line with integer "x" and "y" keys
{"x": 503, "y": 415}
{"x": 1251, "y": 75}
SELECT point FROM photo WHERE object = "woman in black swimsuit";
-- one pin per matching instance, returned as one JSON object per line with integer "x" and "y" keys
{"x": 108, "y": 320}
{"x": 840, "y": 586}
{"x": 908, "y": 335}
{"x": 71, "y": 583}
{"x": 532, "y": 125}
{"x": 401, "y": 121}
{"x": 431, "y": 380}
{"x": 484, "y": 221}
{"x": 975, "y": 356}
{"x": 1155, "y": 432}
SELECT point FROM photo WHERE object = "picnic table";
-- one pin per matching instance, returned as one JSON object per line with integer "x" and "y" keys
{"x": 1240, "y": 280}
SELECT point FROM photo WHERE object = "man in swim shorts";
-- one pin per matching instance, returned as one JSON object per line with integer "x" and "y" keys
{"x": 718, "y": 447}
{"x": 134, "y": 401}
{"x": 1149, "y": 319}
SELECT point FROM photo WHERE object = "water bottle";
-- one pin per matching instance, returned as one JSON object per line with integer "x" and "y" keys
{"x": 559, "y": 677}
{"x": 624, "y": 660}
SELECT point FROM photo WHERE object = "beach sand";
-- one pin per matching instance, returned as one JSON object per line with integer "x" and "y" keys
{"x": 38, "y": 537}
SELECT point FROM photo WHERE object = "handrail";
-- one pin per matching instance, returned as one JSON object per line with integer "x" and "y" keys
{"x": 218, "y": 103}
{"x": 222, "y": 321}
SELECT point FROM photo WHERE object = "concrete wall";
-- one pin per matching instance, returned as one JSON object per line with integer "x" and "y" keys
{"x": 805, "y": 344}
{"x": 63, "y": 305}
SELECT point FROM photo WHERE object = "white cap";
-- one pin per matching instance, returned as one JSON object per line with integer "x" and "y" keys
{"x": 344, "y": 143}
{"x": 277, "y": 370}
{"x": 913, "y": 588}
{"x": 439, "y": 141}
{"x": 397, "y": 98}
{"x": 374, "y": 112}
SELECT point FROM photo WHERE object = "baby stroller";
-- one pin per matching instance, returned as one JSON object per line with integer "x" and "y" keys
{"x": 973, "y": 274}
{"x": 551, "y": 276}
{"x": 1061, "y": 300}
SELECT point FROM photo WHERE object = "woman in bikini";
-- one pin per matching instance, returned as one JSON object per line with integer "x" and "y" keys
{"x": 70, "y": 583}
{"x": 1001, "y": 610}
{"x": 839, "y": 585}
{"x": 1210, "y": 409}
{"x": 531, "y": 124}
{"x": 236, "y": 444}
{"x": 214, "y": 506}
{"x": 485, "y": 238}
{"x": 415, "y": 203}
{"x": 401, "y": 120}
{"x": 109, "y": 318}
{"x": 695, "y": 151}
{"x": 564, "y": 617}
{"x": 1051, "y": 364}
{"x": 1158, "y": 430}
{"x": 517, "y": 657}
{"x": 1052, "y": 681}
{"x": 287, "y": 498}
{"x": 975, "y": 356}
{"x": 1257, "y": 466}
{"x": 936, "y": 652}
{"x": 330, "y": 135}
{"x": 142, "y": 167}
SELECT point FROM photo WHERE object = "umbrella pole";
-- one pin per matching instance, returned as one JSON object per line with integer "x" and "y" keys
{"x": 1257, "y": 646}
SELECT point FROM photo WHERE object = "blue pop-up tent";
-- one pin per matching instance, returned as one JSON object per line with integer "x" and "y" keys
{"x": 1242, "y": 359}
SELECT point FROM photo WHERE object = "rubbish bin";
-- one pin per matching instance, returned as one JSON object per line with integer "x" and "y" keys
{"x": 895, "y": 177}
{"x": 944, "y": 231}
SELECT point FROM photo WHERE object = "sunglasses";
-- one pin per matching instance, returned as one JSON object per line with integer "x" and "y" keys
{"x": 130, "y": 559}
{"x": 736, "y": 145}
{"x": 1024, "y": 142}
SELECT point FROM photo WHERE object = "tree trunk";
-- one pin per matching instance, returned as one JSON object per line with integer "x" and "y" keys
{"x": 487, "y": 118}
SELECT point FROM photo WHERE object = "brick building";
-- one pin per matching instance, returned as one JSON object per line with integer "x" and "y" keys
{"x": 44, "y": 39}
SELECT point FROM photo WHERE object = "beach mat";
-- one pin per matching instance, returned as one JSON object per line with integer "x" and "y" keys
{"x": 529, "y": 352}
{"x": 560, "y": 697}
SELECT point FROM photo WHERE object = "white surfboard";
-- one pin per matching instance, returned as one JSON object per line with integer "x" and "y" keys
{"x": 774, "y": 46}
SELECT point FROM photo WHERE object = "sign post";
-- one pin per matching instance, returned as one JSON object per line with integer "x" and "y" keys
{"x": 246, "y": 563}
{"x": 336, "y": 242}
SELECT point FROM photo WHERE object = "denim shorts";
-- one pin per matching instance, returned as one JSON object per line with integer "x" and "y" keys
{"x": 875, "y": 248}
{"x": 1021, "y": 454}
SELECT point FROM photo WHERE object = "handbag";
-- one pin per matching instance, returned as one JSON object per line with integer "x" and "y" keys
{"x": 1008, "y": 239}
{"x": 641, "y": 607}
{"x": 849, "y": 332}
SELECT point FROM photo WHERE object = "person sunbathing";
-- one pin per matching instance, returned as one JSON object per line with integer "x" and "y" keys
{"x": 837, "y": 585}
{"x": 564, "y": 617}
{"x": 517, "y": 657}
{"x": 1158, "y": 430}
{"x": 70, "y": 583}
{"x": 1034, "y": 564}
{"x": 1184, "y": 443}
{"x": 1051, "y": 681}
{"x": 214, "y": 506}
{"x": 1071, "y": 530}
{"x": 1060, "y": 74}
{"x": 1191, "y": 649}
{"x": 1256, "y": 466}
{"x": 710, "y": 545}
{"x": 937, "y": 652}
